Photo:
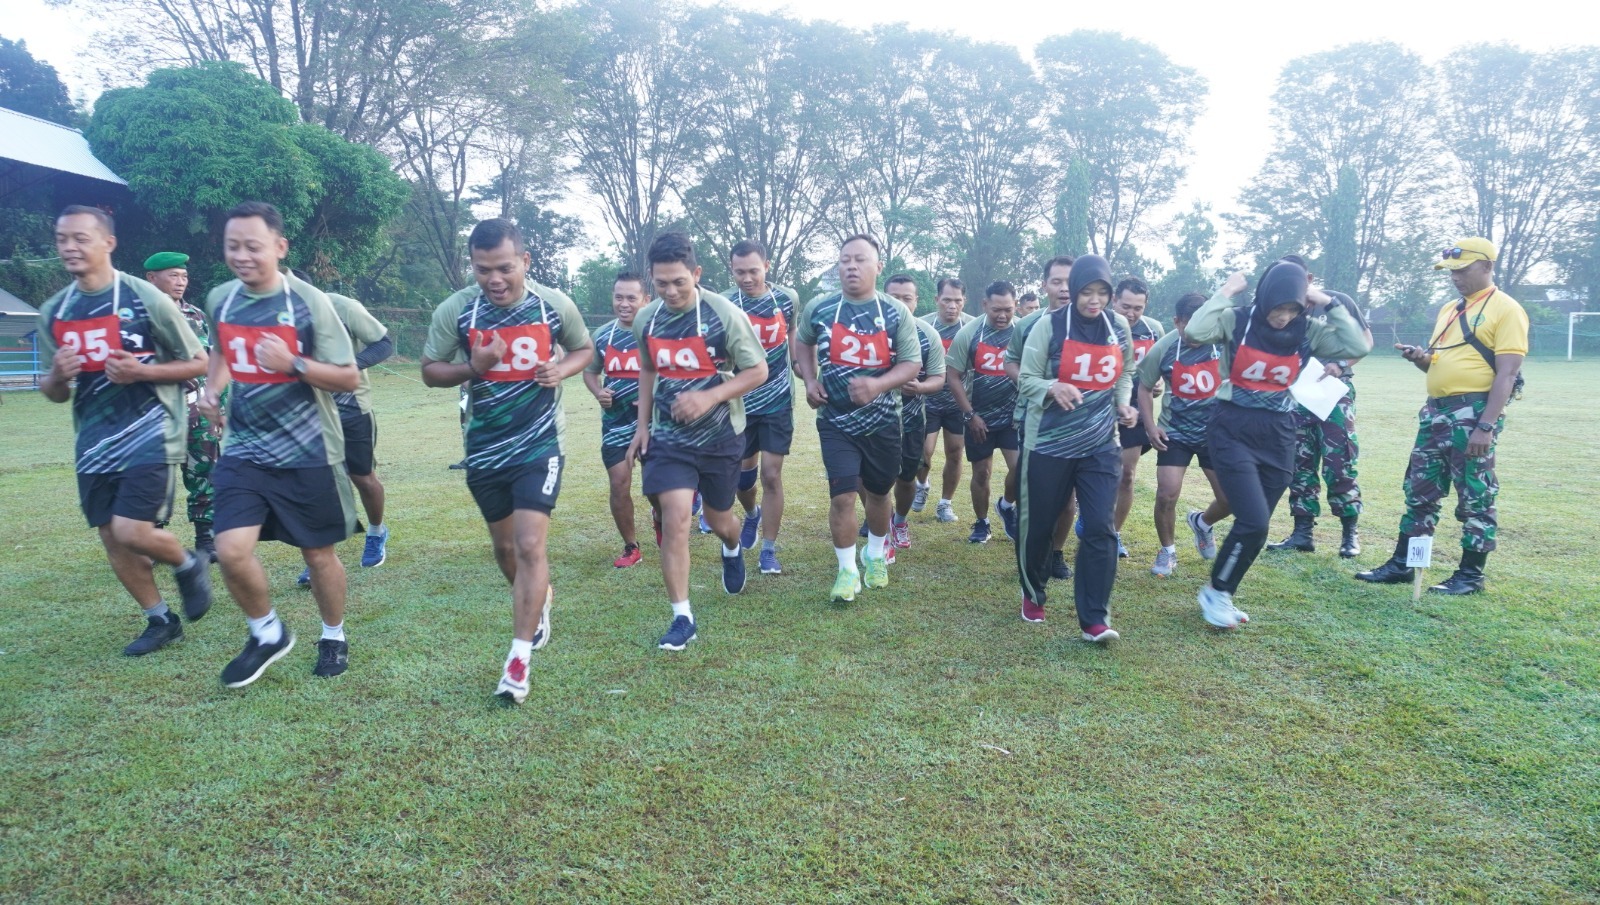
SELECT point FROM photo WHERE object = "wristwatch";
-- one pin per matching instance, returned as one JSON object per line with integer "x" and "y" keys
{"x": 298, "y": 368}
{"x": 1485, "y": 426}
{"x": 966, "y": 417}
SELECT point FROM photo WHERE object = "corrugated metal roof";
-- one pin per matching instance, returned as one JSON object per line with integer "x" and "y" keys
{"x": 30, "y": 140}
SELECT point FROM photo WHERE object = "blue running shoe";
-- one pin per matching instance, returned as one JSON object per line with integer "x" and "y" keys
{"x": 747, "y": 534}
{"x": 678, "y": 635}
{"x": 695, "y": 509}
{"x": 769, "y": 563}
{"x": 376, "y": 550}
{"x": 1008, "y": 519}
{"x": 705, "y": 527}
{"x": 733, "y": 573}
{"x": 1077, "y": 527}
{"x": 304, "y": 580}
{"x": 980, "y": 532}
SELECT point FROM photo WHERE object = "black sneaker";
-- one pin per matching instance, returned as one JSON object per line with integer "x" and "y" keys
{"x": 194, "y": 586}
{"x": 254, "y": 660}
{"x": 159, "y": 632}
{"x": 678, "y": 635}
{"x": 333, "y": 658}
{"x": 733, "y": 573}
{"x": 980, "y": 532}
{"x": 1059, "y": 570}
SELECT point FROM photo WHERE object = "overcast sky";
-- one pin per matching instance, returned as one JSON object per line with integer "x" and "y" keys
{"x": 1238, "y": 47}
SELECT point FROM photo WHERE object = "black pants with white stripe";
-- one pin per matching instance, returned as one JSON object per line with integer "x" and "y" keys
{"x": 1046, "y": 484}
{"x": 1252, "y": 451}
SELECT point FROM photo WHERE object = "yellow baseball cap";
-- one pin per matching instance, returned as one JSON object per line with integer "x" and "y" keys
{"x": 1465, "y": 252}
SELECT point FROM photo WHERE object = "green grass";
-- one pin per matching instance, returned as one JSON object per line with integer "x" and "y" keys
{"x": 1347, "y": 745}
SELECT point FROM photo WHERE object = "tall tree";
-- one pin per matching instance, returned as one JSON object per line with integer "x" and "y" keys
{"x": 991, "y": 175}
{"x": 1121, "y": 106}
{"x": 1072, "y": 210}
{"x": 1342, "y": 212}
{"x": 1525, "y": 131}
{"x": 31, "y": 86}
{"x": 1368, "y": 107}
{"x": 1190, "y": 249}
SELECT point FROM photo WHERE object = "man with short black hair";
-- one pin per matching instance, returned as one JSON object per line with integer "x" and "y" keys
{"x": 986, "y": 397}
{"x": 769, "y": 408}
{"x": 500, "y": 335}
{"x": 612, "y": 376}
{"x": 1131, "y": 298}
{"x": 1027, "y": 304}
{"x": 701, "y": 356}
{"x": 948, "y": 317}
{"x": 855, "y": 348}
{"x": 903, "y": 289}
{"x": 281, "y": 475}
{"x": 119, "y": 349}
{"x": 1474, "y": 368}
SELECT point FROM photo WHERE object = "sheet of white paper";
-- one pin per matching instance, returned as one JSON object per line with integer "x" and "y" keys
{"x": 1419, "y": 552}
{"x": 1318, "y": 396}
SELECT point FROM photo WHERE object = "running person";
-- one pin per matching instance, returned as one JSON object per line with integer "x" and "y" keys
{"x": 1192, "y": 375}
{"x": 913, "y": 400}
{"x": 372, "y": 345}
{"x": 948, "y": 317}
{"x": 1251, "y": 434}
{"x": 612, "y": 376}
{"x": 855, "y": 348}
{"x": 1130, "y": 300}
{"x": 500, "y": 337}
{"x": 986, "y": 398}
{"x": 1077, "y": 378}
{"x": 119, "y": 349}
{"x": 168, "y": 271}
{"x": 701, "y": 356}
{"x": 769, "y": 408}
{"x": 1057, "y": 290}
{"x": 281, "y": 475}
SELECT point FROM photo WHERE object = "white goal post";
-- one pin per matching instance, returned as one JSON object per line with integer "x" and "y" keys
{"x": 1572, "y": 323}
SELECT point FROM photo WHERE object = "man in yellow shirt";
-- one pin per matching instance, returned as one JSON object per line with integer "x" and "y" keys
{"x": 1473, "y": 365}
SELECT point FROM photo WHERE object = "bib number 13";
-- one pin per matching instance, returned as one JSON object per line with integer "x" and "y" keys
{"x": 1105, "y": 373}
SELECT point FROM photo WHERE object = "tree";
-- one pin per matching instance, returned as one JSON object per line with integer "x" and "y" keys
{"x": 1527, "y": 141}
{"x": 1196, "y": 239}
{"x": 1072, "y": 211}
{"x": 1368, "y": 107}
{"x": 990, "y": 176}
{"x": 31, "y": 86}
{"x": 1124, "y": 109}
{"x": 1341, "y": 211}
{"x": 194, "y": 142}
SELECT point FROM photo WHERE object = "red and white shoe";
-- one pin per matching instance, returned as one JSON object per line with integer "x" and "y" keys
{"x": 630, "y": 557}
{"x": 514, "y": 681}
{"x": 888, "y": 554}
{"x": 900, "y": 535}
{"x": 1100, "y": 634}
{"x": 1031, "y": 612}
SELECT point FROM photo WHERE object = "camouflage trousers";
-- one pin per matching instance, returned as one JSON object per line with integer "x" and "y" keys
{"x": 1438, "y": 460}
{"x": 1333, "y": 446}
{"x": 204, "y": 440}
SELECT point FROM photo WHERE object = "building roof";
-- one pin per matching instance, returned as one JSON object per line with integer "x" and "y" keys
{"x": 29, "y": 144}
{"x": 17, "y": 318}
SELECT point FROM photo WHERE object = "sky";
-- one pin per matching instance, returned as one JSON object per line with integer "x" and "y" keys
{"x": 1238, "y": 47}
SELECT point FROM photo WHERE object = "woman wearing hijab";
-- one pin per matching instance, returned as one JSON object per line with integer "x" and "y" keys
{"x": 1251, "y": 435}
{"x": 1076, "y": 377}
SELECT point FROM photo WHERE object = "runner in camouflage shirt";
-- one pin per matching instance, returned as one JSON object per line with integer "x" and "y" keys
{"x": 947, "y": 317}
{"x": 612, "y": 376}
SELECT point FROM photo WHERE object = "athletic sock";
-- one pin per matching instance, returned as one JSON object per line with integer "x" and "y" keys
{"x": 920, "y": 485}
{"x": 333, "y": 632}
{"x": 769, "y": 545}
{"x": 1170, "y": 548}
{"x": 682, "y": 609}
{"x": 520, "y": 650}
{"x": 899, "y": 519}
{"x": 189, "y": 561}
{"x": 730, "y": 551}
{"x": 1005, "y": 504}
{"x": 944, "y": 502}
{"x": 874, "y": 545}
{"x": 267, "y": 629}
{"x": 1201, "y": 518}
{"x": 375, "y": 530}
{"x": 158, "y": 611}
{"x": 847, "y": 556}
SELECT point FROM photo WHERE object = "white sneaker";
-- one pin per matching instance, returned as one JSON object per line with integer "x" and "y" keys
{"x": 919, "y": 499}
{"x": 1205, "y": 541}
{"x": 1166, "y": 563}
{"x": 1216, "y": 607}
{"x": 946, "y": 512}
{"x": 514, "y": 681}
{"x": 541, "y": 635}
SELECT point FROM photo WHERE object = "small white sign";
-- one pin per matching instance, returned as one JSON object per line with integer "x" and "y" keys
{"x": 1419, "y": 552}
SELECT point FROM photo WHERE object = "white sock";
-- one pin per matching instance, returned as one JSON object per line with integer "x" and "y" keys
{"x": 944, "y": 502}
{"x": 333, "y": 632}
{"x": 847, "y": 556}
{"x": 874, "y": 545}
{"x": 1201, "y": 518}
{"x": 520, "y": 650}
{"x": 1170, "y": 548}
{"x": 1006, "y": 504}
{"x": 921, "y": 485}
{"x": 730, "y": 551}
{"x": 267, "y": 629}
{"x": 375, "y": 530}
{"x": 682, "y": 609}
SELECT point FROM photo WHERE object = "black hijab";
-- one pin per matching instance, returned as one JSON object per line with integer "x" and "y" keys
{"x": 1281, "y": 283}
{"x": 1086, "y": 271}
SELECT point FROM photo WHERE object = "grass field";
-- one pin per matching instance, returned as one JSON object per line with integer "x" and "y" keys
{"x": 920, "y": 745}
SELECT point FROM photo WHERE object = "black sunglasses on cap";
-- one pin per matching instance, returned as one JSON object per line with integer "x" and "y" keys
{"x": 1456, "y": 253}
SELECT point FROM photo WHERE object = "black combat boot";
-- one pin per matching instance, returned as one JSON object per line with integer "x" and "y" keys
{"x": 1300, "y": 539}
{"x": 204, "y": 543}
{"x": 1468, "y": 577}
{"x": 1392, "y": 572}
{"x": 1350, "y": 543}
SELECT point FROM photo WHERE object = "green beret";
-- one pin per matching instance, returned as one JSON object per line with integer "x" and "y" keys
{"x": 165, "y": 260}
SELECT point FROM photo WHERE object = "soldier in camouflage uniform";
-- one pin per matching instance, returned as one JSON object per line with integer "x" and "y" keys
{"x": 168, "y": 271}
{"x": 1473, "y": 362}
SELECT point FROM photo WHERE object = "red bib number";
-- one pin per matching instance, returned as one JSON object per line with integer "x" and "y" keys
{"x": 622, "y": 363}
{"x": 990, "y": 361}
{"x": 850, "y": 349}
{"x": 1195, "y": 381}
{"x": 947, "y": 340}
{"x": 527, "y": 346}
{"x": 1140, "y": 347}
{"x": 682, "y": 359}
{"x": 1089, "y": 366}
{"x": 1263, "y": 372}
{"x": 239, "y": 348}
{"x": 771, "y": 331}
{"x": 92, "y": 338}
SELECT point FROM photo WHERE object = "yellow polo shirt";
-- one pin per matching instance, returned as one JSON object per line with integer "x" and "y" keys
{"x": 1499, "y": 323}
